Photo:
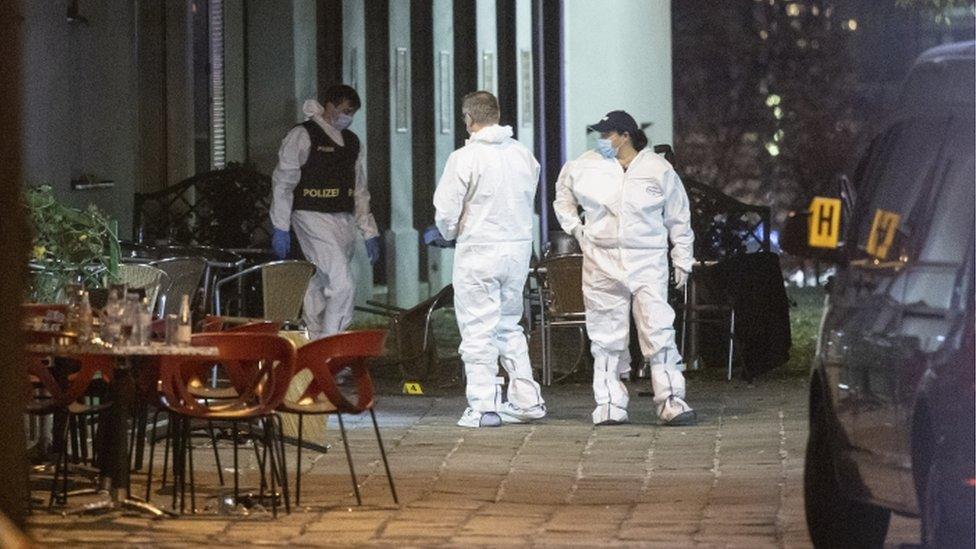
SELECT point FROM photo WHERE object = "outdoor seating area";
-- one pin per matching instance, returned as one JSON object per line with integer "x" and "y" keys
{"x": 487, "y": 273}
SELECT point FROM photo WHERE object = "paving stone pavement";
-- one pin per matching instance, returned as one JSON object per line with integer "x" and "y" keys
{"x": 734, "y": 480}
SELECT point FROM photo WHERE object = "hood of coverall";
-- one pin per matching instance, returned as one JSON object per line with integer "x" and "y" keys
{"x": 491, "y": 134}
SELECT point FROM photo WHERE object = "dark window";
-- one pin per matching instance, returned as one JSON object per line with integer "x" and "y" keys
{"x": 897, "y": 177}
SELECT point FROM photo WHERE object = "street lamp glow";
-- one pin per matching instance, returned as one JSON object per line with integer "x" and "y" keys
{"x": 851, "y": 25}
{"x": 772, "y": 100}
{"x": 772, "y": 149}
{"x": 778, "y": 113}
{"x": 793, "y": 10}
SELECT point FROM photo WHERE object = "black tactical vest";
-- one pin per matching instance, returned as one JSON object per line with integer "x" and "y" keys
{"x": 329, "y": 175}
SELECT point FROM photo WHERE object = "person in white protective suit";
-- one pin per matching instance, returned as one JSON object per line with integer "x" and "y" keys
{"x": 485, "y": 200}
{"x": 319, "y": 190}
{"x": 633, "y": 202}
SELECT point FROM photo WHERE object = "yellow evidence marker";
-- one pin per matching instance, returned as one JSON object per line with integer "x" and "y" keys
{"x": 883, "y": 230}
{"x": 412, "y": 388}
{"x": 824, "y": 222}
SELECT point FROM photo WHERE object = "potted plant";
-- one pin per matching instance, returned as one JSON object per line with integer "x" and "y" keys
{"x": 69, "y": 246}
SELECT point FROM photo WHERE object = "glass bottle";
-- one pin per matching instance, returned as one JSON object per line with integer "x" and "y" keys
{"x": 144, "y": 323}
{"x": 130, "y": 317}
{"x": 185, "y": 322}
{"x": 84, "y": 319}
{"x": 112, "y": 323}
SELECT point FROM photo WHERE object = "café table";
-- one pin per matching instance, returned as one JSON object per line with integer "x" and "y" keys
{"x": 121, "y": 390}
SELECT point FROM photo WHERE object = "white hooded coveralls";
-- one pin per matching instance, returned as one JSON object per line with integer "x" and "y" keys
{"x": 629, "y": 218}
{"x": 327, "y": 239}
{"x": 485, "y": 200}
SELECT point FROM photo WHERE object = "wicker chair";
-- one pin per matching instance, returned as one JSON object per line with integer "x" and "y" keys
{"x": 185, "y": 278}
{"x": 146, "y": 277}
{"x": 561, "y": 290}
{"x": 283, "y": 285}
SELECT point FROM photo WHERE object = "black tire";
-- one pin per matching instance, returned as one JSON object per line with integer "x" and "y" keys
{"x": 945, "y": 525}
{"x": 833, "y": 520}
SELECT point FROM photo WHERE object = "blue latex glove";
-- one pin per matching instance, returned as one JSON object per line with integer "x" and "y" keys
{"x": 432, "y": 234}
{"x": 281, "y": 243}
{"x": 373, "y": 249}
{"x": 433, "y": 237}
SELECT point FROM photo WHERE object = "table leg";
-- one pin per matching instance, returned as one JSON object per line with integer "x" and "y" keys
{"x": 114, "y": 448}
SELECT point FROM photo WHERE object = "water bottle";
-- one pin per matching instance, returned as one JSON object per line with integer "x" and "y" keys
{"x": 183, "y": 330}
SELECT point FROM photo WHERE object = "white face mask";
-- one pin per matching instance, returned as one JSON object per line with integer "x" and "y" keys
{"x": 341, "y": 121}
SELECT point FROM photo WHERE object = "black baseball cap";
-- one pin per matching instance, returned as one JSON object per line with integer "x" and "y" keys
{"x": 616, "y": 121}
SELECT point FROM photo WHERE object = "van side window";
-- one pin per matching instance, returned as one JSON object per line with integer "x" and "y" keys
{"x": 950, "y": 221}
{"x": 896, "y": 179}
{"x": 938, "y": 279}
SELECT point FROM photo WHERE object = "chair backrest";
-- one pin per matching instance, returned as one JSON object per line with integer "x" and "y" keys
{"x": 413, "y": 326}
{"x": 564, "y": 277}
{"x": 260, "y": 366}
{"x": 147, "y": 277}
{"x": 185, "y": 278}
{"x": 283, "y": 285}
{"x": 214, "y": 323}
{"x": 61, "y": 395}
{"x": 325, "y": 357}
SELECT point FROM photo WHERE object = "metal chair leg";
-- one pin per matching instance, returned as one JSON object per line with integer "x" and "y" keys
{"x": 237, "y": 494}
{"x": 352, "y": 469}
{"x": 213, "y": 441}
{"x": 731, "y": 343}
{"x": 386, "y": 463}
{"x": 166, "y": 449}
{"x": 188, "y": 440}
{"x": 279, "y": 429}
{"x": 271, "y": 463}
{"x": 152, "y": 454}
{"x": 298, "y": 463}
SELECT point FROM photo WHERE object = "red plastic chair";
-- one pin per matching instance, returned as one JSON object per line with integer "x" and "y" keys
{"x": 324, "y": 358}
{"x": 214, "y": 323}
{"x": 47, "y": 395}
{"x": 260, "y": 367}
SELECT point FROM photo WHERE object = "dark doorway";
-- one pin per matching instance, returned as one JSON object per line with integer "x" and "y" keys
{"x": 378, "y": 117}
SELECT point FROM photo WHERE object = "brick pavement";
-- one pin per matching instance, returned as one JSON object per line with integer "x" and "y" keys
{"x": 735, "y": 480}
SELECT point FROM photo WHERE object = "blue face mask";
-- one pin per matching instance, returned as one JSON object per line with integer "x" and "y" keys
{"x": 606, "y": 148}
{"x": 342, "y": 121}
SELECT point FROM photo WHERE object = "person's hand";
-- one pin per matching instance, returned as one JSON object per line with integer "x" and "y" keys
{"x": 433, "y": 237}
{"x": 373, "y": 249}
{"x": 281, "y": 243}
{"x": 680, "y": 277}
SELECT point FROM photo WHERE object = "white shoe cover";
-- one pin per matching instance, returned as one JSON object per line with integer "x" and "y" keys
{"x": 513, "y": 414}
{"x": 471, "y": 418}
{"x": 675, "y": 411}
{"x": 608, "y": 414}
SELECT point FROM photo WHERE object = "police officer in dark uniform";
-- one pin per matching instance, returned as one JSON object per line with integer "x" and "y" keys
{"x": 319, "y": 191}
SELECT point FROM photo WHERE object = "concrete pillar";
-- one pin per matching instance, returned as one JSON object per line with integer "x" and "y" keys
{"x": 487, "y": 31}
{"x": 402, "y": 258}
{"x": 526, "y": 91}
{"x": 354, "y": 74}
{"x": 638, "y": 57}
{"x": 440, "y": 261}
